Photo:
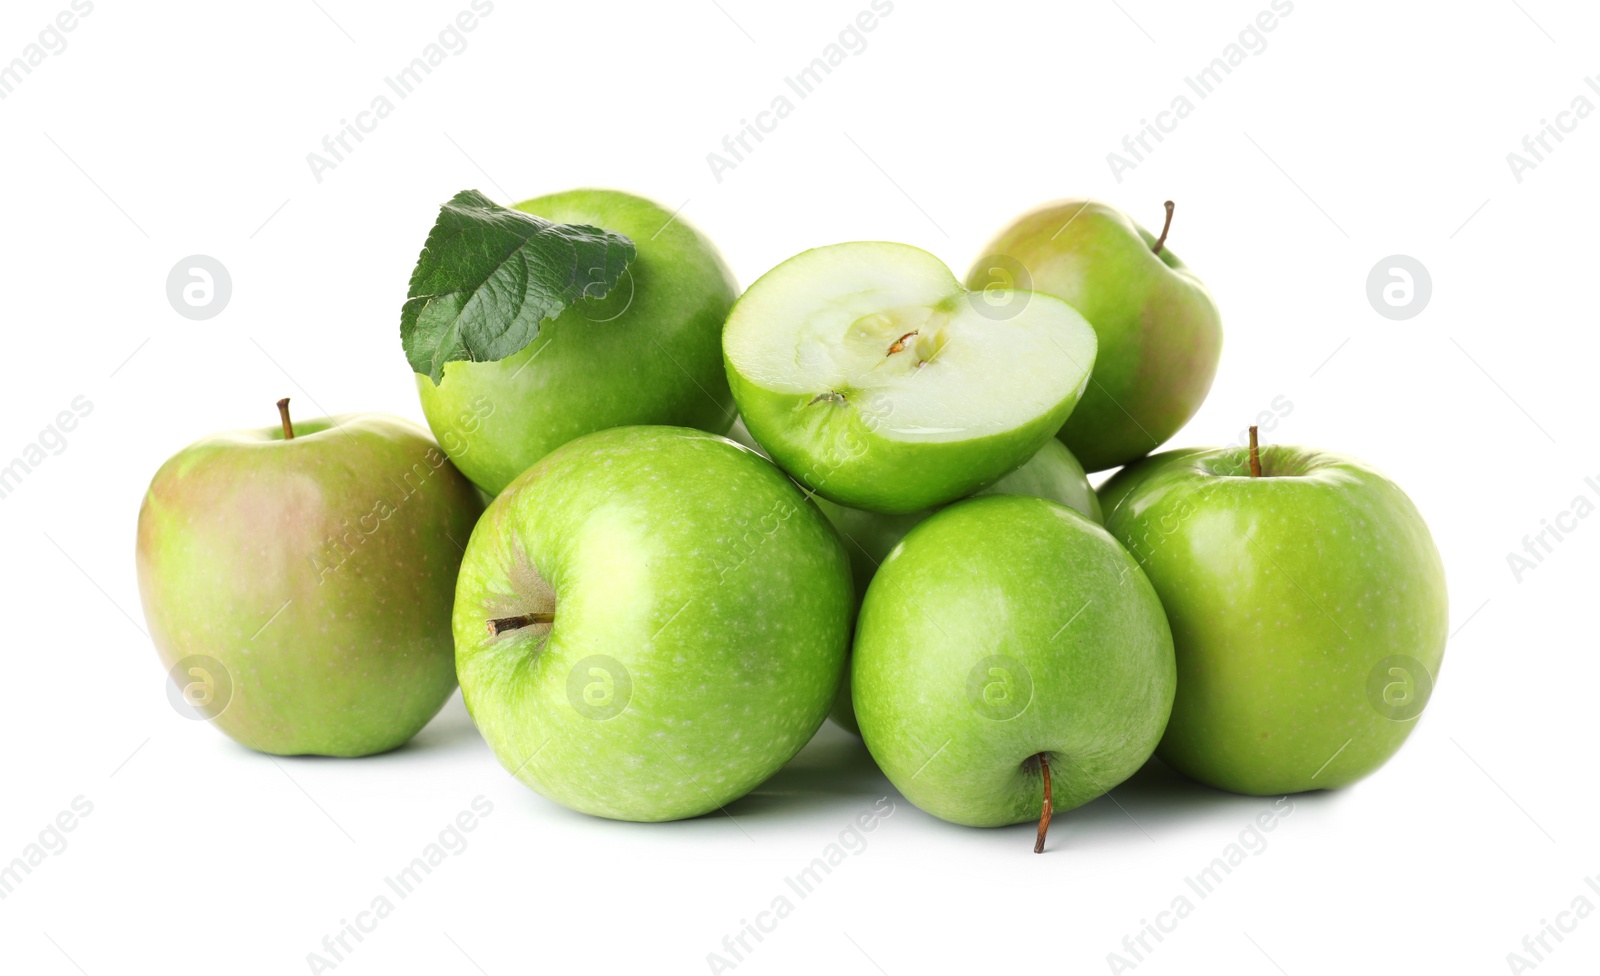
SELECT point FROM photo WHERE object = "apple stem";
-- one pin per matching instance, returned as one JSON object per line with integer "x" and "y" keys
{"x": 1044, "y": 814}
{"x": 1166, "y": 226}
{"x": 283, "y": 414}
{"x": 500, "y": 625}
{"x": 1255, "y": 455}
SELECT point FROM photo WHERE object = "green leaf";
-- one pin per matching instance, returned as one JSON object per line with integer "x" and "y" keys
{"x": 488, "y": 276}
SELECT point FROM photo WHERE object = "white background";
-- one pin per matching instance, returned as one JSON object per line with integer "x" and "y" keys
{"x": 1361, "y": 130}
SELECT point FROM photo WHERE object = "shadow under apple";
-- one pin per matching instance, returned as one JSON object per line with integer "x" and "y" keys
{"x": 833, "y": 770}
{"x": 450, "y": 729}
{"x": 1156, "y": 800}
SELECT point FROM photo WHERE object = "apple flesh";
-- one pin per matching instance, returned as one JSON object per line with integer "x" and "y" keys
{"x": 1002, "y": 630}
{"x": 650, "y": 622}
{"x": 649, "y": 352}
{"x": 1159, "y": 331}
{"x": 1308, "y": 608}
{"x": 317, "y": 571}
{"x": 877, "y": 381}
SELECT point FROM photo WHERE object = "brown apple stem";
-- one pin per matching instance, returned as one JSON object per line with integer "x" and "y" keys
{"x": 1044, "y": 815}
{"x": 283, "y": 414}
{"x": 500, "y": 625}
{"x": 1255, "y": 455}
{"x": 1156, "y": 249}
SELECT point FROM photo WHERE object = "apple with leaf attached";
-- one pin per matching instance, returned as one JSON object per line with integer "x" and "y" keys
{"x": 569, "y": 313}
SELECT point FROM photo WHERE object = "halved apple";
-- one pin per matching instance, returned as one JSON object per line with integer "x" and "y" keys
{"x": 879, "y": 382}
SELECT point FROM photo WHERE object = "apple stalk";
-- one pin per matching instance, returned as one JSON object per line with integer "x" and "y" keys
{"x": 1044, "y": 813}
{"x": 1255, "y": 455}
{"x": 283, "y": 415}
{"x": 1166, "y": 225}
{"x": 500, "y": 625}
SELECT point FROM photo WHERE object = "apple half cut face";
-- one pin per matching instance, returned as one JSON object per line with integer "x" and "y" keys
{"x": 879, "y": 382}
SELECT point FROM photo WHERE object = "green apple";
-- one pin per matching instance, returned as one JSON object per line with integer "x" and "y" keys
{"x": 1308, "y": 608}
{"x": 1006, "y": 644}
{"x": 1160, "y": 333}
{"x": 305, "y": 582}
{"x": 877, "y": 381}
{"x": 647, "y": 353}
{"x": 1129, "y": 479}
{"x": 650, "y": 622}
{"x": 869, "y": 537}
{"x": 1053, "y": 473}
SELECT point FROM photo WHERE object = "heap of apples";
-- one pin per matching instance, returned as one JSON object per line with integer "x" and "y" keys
{"x": 649, "y": 619}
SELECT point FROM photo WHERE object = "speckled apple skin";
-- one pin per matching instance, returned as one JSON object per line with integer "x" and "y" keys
{"x": 1087, "y": 677}
{"x": 650, "y": 352}
{"x": 1285, "y": 593}
{"x": 697, "y": 595}
{"x": 1052, "y": 473}
{"x": 319, "y": 571}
